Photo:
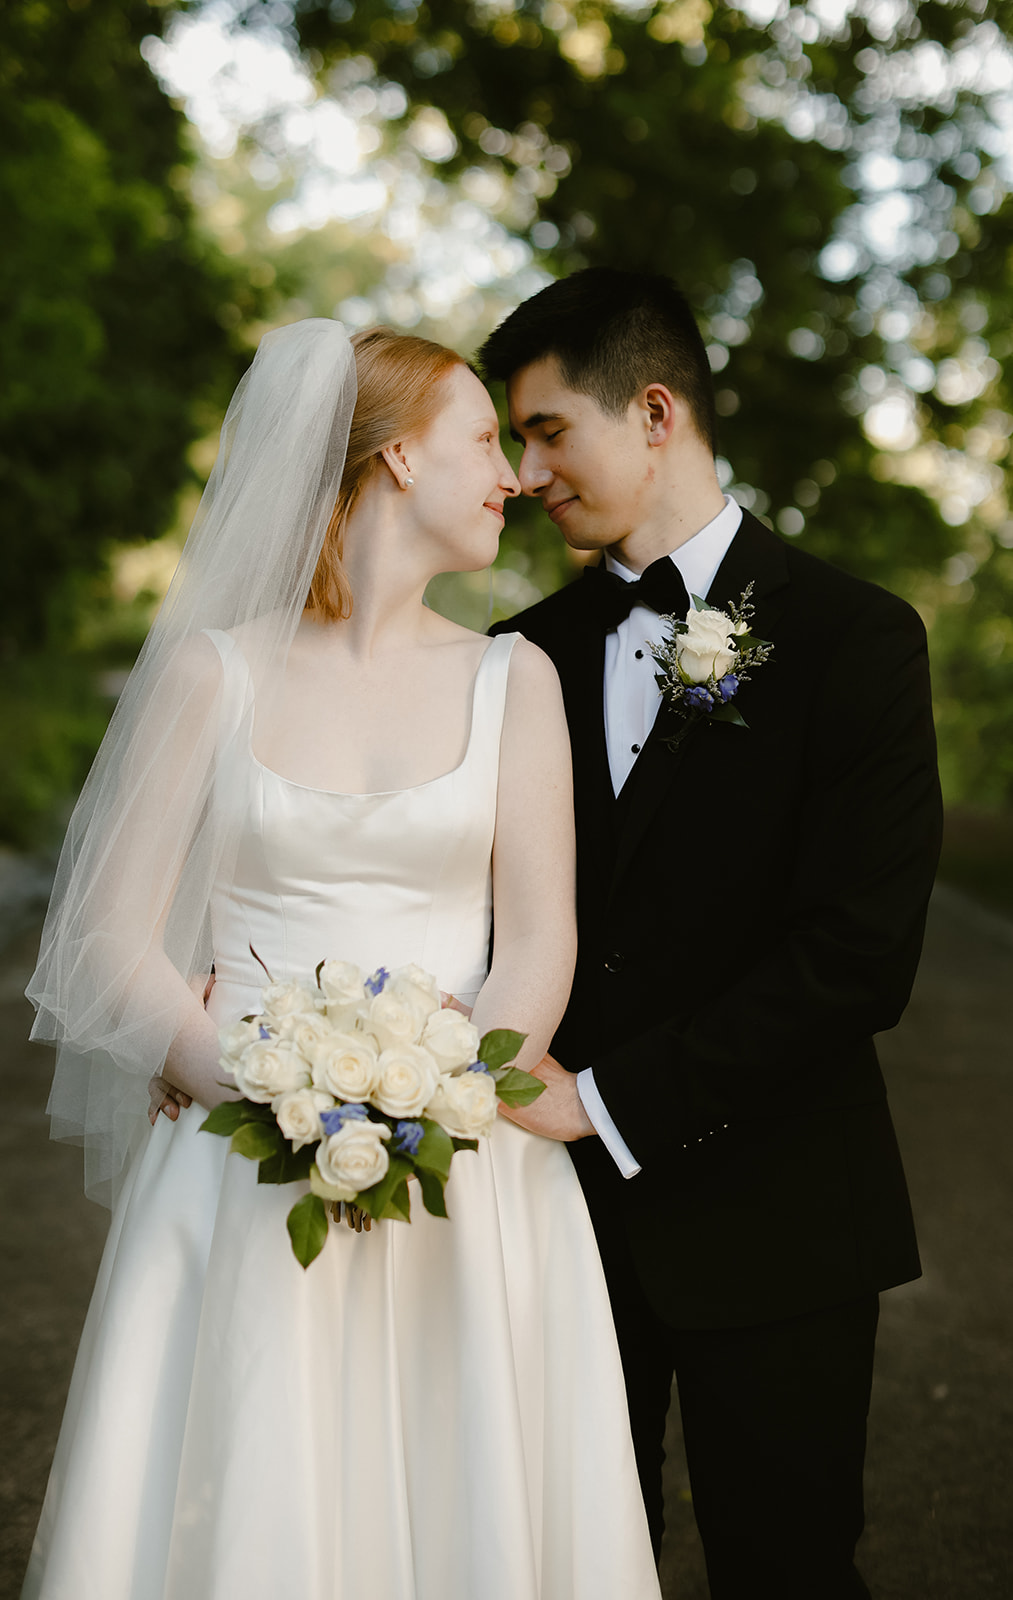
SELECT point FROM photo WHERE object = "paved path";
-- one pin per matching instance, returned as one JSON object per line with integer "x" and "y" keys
{"x": 940, "y": 1489}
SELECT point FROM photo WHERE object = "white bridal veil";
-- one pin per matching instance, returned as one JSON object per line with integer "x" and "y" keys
{"x": 128, "y": 928}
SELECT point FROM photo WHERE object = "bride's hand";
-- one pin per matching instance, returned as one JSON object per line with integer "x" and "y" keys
{"x": 164, "y": 1096}
{"x": 451, "y": 1003}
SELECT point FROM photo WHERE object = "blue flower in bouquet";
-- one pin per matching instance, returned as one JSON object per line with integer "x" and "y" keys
{"x": 335, "y": 1119}
{"x": 699, "y": 698}
{"x": 374, "y": 984}
{"x": 408, "y": 1136}
{"x": 478, "y": 1066}
{"x": 728, "y": 687}
{"x": 264, "y": 1032}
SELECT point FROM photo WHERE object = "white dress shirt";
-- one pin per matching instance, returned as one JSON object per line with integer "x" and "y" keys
{"x": 631, "y": 701}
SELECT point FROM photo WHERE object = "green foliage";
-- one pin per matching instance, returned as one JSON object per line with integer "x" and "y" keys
{"x": 307, "y": 1228}
{"x": 680, "y": 136}
{"x": 499, "y": 1047}
{"x": 52, "y": 717}
{"x": 516, "y": 1087}
{"x": 109, "y": 302}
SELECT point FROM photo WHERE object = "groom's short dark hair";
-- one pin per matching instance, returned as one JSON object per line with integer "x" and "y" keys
{"x": 612, "y": 333}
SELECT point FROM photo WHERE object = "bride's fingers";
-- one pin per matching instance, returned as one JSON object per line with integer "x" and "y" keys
{"x": 451, "y": 1003}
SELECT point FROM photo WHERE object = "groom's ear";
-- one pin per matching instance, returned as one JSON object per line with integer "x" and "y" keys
{"x": 666, "y": 415}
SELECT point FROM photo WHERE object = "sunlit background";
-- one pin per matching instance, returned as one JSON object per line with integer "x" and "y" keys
{"x": 829, "y": 182}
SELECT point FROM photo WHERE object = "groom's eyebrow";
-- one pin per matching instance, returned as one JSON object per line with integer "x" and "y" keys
{"x": 535, "y": 421}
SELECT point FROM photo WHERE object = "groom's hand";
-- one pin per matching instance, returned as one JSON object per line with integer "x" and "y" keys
{"x": 558, "y": 1112}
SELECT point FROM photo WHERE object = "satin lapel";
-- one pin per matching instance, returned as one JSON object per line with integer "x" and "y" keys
{"x": 580, "y": 663}
{"x": 754, "y": 556}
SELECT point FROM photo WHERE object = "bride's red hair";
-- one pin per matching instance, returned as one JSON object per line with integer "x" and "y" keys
{"x": 399, "y": 393}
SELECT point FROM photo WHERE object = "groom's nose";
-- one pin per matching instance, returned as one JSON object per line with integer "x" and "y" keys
{"x": 533, "y": 475}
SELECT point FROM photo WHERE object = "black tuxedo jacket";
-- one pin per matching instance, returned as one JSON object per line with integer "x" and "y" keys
{"x": 750, "y": 913}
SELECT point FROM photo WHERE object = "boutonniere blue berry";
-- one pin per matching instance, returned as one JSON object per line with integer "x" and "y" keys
{"x": 704, "y": 661}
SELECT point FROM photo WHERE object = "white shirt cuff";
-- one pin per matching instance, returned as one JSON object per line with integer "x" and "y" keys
{"x": 603, "y": 1125}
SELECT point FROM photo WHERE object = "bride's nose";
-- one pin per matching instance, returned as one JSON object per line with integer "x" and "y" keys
{"x": 508, "y": 480}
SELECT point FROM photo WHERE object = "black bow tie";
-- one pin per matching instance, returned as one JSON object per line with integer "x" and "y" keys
{"x": 659, "y": 586}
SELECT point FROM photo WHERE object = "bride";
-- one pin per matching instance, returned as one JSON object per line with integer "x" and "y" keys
{"x": 433, "y": 1410}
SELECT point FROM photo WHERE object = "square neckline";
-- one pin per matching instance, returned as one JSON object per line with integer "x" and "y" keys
{"x": 385, "y": 794}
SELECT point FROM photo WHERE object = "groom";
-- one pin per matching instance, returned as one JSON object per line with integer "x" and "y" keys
{"x": 751, "y": 902}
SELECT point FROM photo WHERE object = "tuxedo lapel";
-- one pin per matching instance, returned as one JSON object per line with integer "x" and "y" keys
{"x": 754, "y": 556}
{"x": 579, "y": 657}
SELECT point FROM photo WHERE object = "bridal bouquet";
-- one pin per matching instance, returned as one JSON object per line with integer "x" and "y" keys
{"x": 359, "y": 1084}
{"x": 705, "y": 660}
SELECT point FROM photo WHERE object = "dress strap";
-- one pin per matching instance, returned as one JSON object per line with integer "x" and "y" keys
{"x": 236, "y": 711}
{"x": 489, "y": 697}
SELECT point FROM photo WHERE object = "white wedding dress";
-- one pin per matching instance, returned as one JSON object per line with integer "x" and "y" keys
{"x": 432, "y": 1411}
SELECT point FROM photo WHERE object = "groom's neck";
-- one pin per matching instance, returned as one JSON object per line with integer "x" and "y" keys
{"x": 684, "y": 502}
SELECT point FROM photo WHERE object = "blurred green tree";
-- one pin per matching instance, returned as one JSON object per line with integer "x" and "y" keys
{"x": 114, "y": 309}
{"x": 829, "y": 187}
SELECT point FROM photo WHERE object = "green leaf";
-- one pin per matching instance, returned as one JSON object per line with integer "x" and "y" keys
{"x": 377, "y": 1199}
{"x": 435, "y": 1151}
{"x": 307, "y": 1228}
{"x": 257, "y": 1140}
{"x": 500, "y": 1046}
{"x": 287, "y": 1165}
{"x": 226, "y": 1118}
{"x": 729, "y": 713}
{"x": 399, "y": 1206}
{"x": 465, "y": 1144}
{"x": 701, "y": 605}
{"x": 432, "y": 1194}
{"x": 516, "y": 1087}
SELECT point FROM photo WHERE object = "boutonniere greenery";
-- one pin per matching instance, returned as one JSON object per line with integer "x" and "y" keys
{"x": 705, "y": 659}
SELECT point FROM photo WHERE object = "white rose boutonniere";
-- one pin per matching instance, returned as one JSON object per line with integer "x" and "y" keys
{"x": 704, "y": 661}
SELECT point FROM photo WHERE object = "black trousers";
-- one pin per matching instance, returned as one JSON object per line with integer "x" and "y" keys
{"x": 774, "y": 1420}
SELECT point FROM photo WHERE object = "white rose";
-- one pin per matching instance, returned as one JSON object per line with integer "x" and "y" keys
{"x": 346, "y": 1065}
{"x": 305, "y": 1029}
{"x": 451, "y": 1040}
{"x": 344, "y": 996}
{"x": 465, "y": 1106}
{"x": 233, "y": 1040}
{"x": 269, "y": 1067}
{"x": 354, "y": 1158}
{"x": 705, "y": 650}
{"x": 392, "y": 1021}
{"x": 298, "y": 1113}
{"x": 288, "y": 999}
{"x": 418, "y": 987}
{"x": 408, "y": 1076}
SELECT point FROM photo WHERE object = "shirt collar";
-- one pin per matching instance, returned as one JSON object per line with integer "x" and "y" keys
{"x": 699, "y": 558}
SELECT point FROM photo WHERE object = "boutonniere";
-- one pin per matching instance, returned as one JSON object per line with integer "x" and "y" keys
{"x": 705, "y": 660}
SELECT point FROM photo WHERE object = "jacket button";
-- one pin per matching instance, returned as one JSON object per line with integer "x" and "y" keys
{"x": 615, "y": 961}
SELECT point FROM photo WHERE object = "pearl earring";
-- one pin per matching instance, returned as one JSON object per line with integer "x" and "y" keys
{"x": 409, "y": 482}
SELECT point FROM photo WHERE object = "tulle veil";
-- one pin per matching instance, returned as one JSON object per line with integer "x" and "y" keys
{"x": 128, "y": 933}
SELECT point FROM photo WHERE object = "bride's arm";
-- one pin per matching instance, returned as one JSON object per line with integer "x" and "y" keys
{"x": 533, "y": 863}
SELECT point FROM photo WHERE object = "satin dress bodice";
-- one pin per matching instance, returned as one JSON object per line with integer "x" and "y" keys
{"x": 377, "y": 879}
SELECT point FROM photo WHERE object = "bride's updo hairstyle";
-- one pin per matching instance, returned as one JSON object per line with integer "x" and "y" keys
{"x": 399, "y": 394}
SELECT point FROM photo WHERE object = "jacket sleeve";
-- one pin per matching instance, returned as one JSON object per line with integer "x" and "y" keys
{"x": 841, "y": 964}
